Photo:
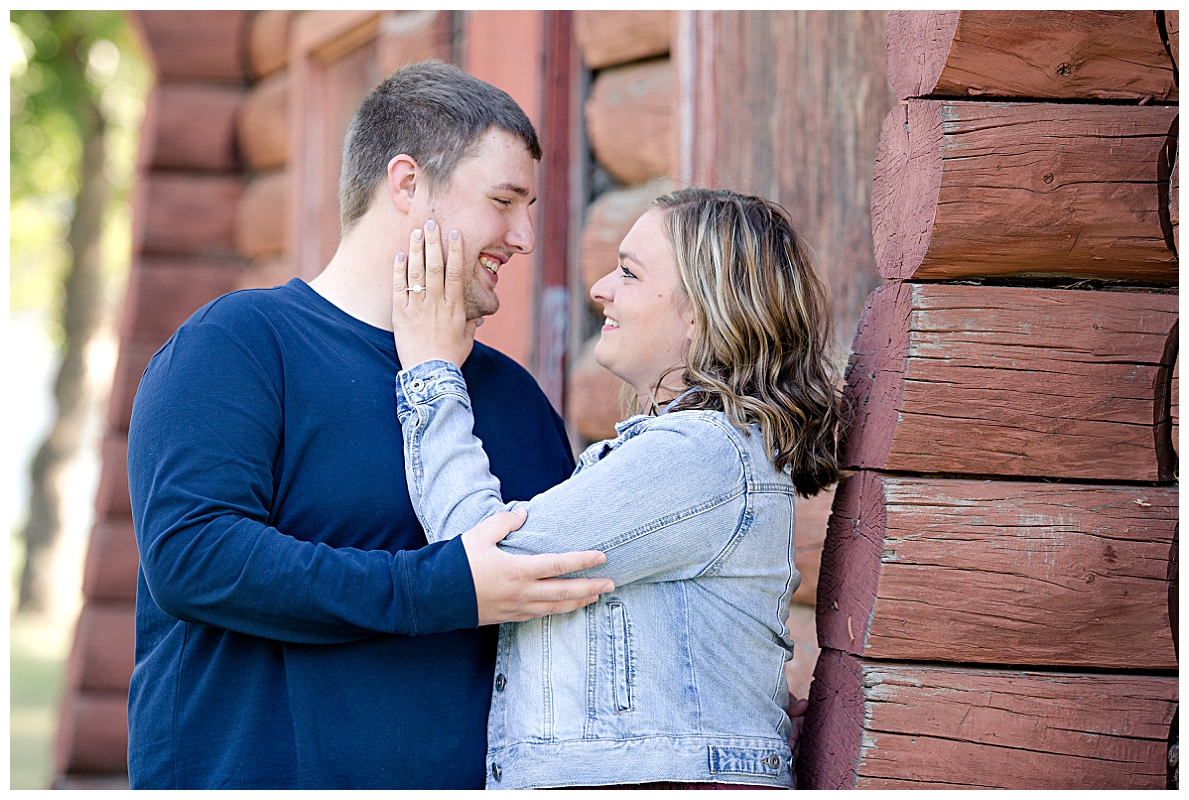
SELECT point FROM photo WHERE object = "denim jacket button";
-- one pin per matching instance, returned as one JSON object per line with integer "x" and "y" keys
{"x": 772, "y": 761}
{"x": 495, "y": 771}
{"x": 500, "y": 682}
{"x": 416, "y": 385}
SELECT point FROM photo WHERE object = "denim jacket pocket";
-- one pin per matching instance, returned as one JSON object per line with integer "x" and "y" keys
{"x": 621, "y": 656}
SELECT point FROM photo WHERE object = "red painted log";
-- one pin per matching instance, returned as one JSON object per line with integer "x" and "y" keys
{"x": 593, "y": 396}
{"x": 102, "y": 657}
{"x": 92, "y": 733}
{"x": 196, "y": 127}
{"x": 164, "y": 291}
{"x": 617, "y": 37}
{"x": 812, "y": 514}
{"x": 130, "y": 366}
{"x": 112, "y": 562}
{"x": 262, "y": 219}
{"x": 1009, "y": 381}
{"x": 1172, "y": 28}
{"x": 190, "y": 214}
{"x": 1035, "y": 574}
{"x": 268, "y": 41}
{"x": 629, "y": 120}
{"x": 874, "y": 725}
{"x": 798, "y": 672}
{"x": 195, "y": 45}
{"x": 111, "y": 498}
{"x": 264, "y": 273}
{"x": 608, "y": 220}
{"x": 1105, "y": 55}
{"x": 264, "y": 124}
{"x": 988, "y": 189}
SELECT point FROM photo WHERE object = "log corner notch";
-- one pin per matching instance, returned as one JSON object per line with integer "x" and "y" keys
{"x": 1095, "y": 55}
{"x": 980, "y": 189}
{"x": 982, "y": 380}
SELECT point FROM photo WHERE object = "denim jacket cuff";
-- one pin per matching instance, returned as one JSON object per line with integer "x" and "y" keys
{"x": 425, "y": 382}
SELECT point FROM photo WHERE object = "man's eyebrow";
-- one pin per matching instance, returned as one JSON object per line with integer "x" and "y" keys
{"x": 514, "y": 188}
{"x": 510, "y": 187}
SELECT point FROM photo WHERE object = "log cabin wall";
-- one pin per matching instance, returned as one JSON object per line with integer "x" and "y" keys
{"x": 995, "y": 606}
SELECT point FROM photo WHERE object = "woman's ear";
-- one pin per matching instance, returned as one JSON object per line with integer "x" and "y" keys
{"x": 404, "y": 178}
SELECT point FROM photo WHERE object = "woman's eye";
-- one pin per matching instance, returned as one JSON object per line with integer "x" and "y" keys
{"x": 503, "y": 203}
{"x": 627, "y": 273}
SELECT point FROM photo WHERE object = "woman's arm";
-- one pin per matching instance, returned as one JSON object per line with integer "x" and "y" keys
{"x": 667, "y": 504}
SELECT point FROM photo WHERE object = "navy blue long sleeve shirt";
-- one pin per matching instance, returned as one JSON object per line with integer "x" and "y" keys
{"x": 293, "y": 628}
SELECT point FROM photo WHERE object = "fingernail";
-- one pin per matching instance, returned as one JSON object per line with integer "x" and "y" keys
{"x": 431, "y": 226}
{"x": 417, "y": 235}
{"x": 454, "y": 236}
{"x": 610, "y": 587}
{"x": 400, "y": 257}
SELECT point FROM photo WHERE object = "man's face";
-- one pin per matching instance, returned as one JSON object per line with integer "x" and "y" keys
{"x": 487, "y": 202}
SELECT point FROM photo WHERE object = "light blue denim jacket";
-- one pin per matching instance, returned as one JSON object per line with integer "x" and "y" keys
{"x": 677, "y": 675}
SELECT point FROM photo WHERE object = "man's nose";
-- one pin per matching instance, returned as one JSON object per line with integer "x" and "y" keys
{"x": 521, "y": 237}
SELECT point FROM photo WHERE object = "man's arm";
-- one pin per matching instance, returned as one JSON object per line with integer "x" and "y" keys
{"x": 205, "y": 431}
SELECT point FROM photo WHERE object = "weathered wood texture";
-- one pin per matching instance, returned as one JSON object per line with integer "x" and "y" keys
{"x": 264, "y": 124}
{"x": 1174, "y": 201}
{"x": 112, "y": 559}
{"x": 989, "y": 189}
{"x": 629, "y": 120}
{"x": 999, "y": 572}
{"x": 263, "y": 216}
{"x": 607, "y": 38}
{"x": 813, "y": 514}
{"x": 268, "y": 41}
{"x": 196, "y": 127}
{"x": 905, "y": 726}
{"x": 594, "y": 396}
{"x": 1011, "y": 381}
{"x": 101, "y": 658}
{"x": 191, "y": 214}
{"x": 195, "y": 45}
{"x": 1105, "y": 55}
{"x": 608, "y": 220}
{"x": 92, "y": 733}
{"x": 768, "y": 119}
{"x": 1172, "y": 28}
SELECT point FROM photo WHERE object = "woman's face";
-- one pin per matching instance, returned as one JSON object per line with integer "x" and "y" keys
{"x": 649, "y": 322}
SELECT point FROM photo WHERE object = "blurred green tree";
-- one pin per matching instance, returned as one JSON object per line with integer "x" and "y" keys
{"x": 77, "y": 82}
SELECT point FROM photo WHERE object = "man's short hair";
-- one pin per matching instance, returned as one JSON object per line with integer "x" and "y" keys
{"x": 435, "y": 113}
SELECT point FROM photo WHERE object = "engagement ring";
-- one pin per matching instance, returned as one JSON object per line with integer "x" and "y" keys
{"x": 416, "y": 288}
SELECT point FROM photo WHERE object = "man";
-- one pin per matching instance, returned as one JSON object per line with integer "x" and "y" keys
{"x": 293, "y": 628}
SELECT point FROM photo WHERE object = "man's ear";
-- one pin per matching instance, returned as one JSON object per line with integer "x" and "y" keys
{"x": 404, "y": 180}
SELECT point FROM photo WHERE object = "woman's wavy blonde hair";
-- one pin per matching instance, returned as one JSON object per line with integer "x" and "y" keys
{"x": 762, "y": 326}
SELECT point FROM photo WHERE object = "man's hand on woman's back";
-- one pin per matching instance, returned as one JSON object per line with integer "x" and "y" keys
{"x": 514, "y": 588}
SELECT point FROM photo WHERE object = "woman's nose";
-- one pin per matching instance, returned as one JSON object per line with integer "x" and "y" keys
{"x": 603, "y": 290}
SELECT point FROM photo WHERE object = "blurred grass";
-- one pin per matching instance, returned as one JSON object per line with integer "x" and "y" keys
{"x": 38, "y": 646}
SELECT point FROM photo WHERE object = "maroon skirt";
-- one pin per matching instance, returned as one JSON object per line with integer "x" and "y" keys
{"x": 676, "y": 785}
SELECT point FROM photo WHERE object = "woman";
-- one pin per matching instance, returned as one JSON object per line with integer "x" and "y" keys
{"x": 716, "y": 321}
